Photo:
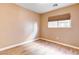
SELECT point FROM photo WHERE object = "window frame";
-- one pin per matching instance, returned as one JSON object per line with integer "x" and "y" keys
{"x": 60, "y": 20}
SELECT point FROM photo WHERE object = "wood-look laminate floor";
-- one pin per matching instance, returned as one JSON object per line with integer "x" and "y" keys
{"x": 40, "y": 47}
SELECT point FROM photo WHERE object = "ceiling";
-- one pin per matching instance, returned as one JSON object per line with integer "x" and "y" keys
{"x": 43, "y": 7}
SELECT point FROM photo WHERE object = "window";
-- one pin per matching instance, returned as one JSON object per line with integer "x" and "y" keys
{"x": 64, "y": 24}
{"x": 60, "y": 21}
{"x": 52, "y": 24}
{"x": 59, "y": 24}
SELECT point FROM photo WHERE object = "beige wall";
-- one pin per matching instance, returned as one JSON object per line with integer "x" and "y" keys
{"x": 63, "y": 35}
{"x": 16, "y": 24}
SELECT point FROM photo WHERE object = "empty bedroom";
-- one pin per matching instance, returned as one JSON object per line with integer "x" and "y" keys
{"x": 39, "y": 28}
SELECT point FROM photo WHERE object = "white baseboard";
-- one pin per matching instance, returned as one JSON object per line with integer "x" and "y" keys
{"x": 15, "y": 45}
{"x": 71, "y": 46}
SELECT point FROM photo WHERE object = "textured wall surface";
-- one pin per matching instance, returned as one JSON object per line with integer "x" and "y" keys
{"x": 16, "y": 24}
{"x": 64, "y": 35}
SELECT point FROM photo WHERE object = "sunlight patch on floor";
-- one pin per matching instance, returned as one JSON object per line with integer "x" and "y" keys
{"x": 37, "y": 48}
